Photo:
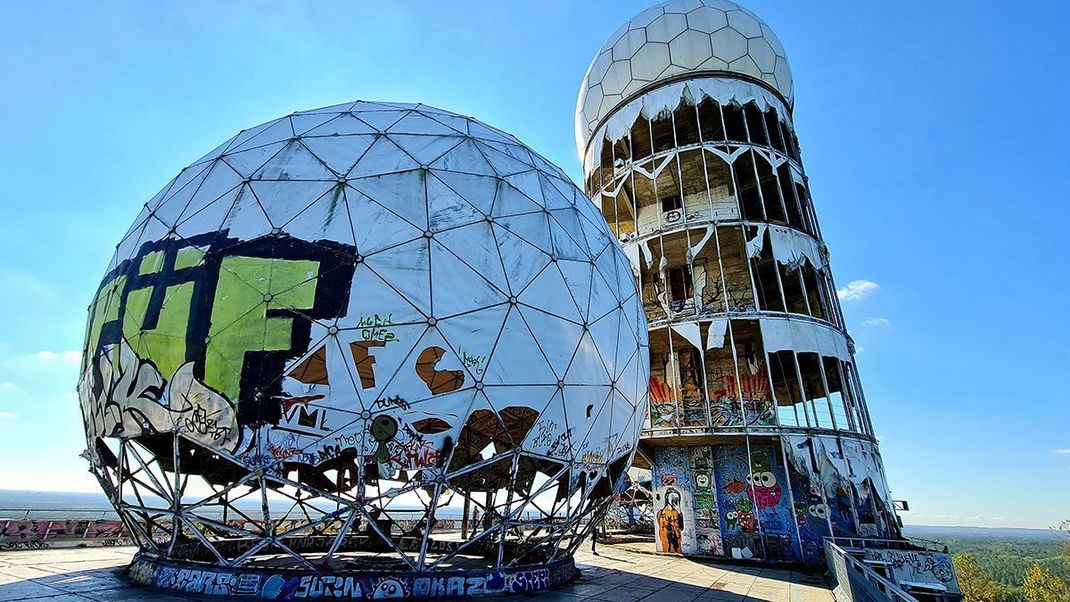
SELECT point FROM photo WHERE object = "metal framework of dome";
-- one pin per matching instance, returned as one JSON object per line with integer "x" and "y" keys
{"x": 374, "y": 349}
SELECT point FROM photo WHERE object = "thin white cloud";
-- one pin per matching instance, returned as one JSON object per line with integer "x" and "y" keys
{"x": 856, "y": 290}
{"x": 8, "y": 386}
{"x": 1061, "y": 451}
{"x": 8, "y": 415}
{"x": 876, "y": 321}
{"x": 59, "y": 356}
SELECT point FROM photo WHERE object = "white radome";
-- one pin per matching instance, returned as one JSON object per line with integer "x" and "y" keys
{"x": 672, "y": 39}
{"x": 386, "y": 282}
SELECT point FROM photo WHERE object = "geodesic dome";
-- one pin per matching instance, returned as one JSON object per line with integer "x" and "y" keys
{"x": 373, "y": 337}
{"x": 679, "y": 38}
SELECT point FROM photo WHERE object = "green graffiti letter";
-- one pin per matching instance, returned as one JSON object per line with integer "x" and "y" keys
{"x": 164, "y": 345}
{"x": 105, "y": 309}
{"x": 248, "y": 287}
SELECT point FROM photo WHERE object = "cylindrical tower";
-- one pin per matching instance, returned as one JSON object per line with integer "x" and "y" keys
{"x": 758, "y": 438}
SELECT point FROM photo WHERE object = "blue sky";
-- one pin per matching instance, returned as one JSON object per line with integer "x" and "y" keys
{"x": 935, "y": 136}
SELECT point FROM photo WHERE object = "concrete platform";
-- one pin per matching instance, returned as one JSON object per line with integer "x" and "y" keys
{"x": 617, "y": 574}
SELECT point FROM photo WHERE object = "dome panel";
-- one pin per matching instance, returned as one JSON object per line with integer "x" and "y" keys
{"x": 745, "y": 23}
{"x": 706, "y": 19}
{"x": 666, "y": 27}
{"x": 650, "y": 61}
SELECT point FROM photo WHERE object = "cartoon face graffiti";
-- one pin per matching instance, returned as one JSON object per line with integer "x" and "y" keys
{"x": 671, "y": 523}
{"x": 731, "y": 519}
{"x": 764, "y": 489}
{"x": 747, "y": 521}
{"x": 388, "y": 589}
{"x": 819, "y": 511}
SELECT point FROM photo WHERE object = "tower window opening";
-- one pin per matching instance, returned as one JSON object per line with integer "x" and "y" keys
{"x": 691, "y": 385}
{"x": 681, "y": 287}
{"x": 735, "y": 128}
{"x": 814, "y": 389}
{"x": 661, "y": 131}
{"x": 641, "y": 147}
{"x": 671, "y": 203}
{"x": 709, "y": 119}
{"x": 791, "y": 201}
{"x": 768, "y": 290}
{"x": 836, "y": 394}
{"x": 755, "y": 124}
{"x": 772, "y": 126}
{"x": 622, "y": 153}
{"x": 812, "y": 286}
{"x": 735, "y": 271}
{"x": 809, "y": 222}
{"x": 686, "y": 124}
{"x": 794, "y": 293}
{"x": 766, "y": 277}
{"x": 747, "y": 188}
{"x": 790, "y": 408}
{"x": 774, "y": 205}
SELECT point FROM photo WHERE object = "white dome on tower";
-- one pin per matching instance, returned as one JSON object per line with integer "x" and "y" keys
{"x": 675, "y": 38}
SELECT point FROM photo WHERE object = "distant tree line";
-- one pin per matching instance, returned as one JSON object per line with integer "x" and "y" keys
{"x": 1013, "y": 569}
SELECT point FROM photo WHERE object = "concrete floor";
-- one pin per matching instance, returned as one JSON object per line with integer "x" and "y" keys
{"x": 617, "y": 574}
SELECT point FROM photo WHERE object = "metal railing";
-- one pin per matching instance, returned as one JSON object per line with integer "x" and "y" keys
{"x": 859, "y": 582}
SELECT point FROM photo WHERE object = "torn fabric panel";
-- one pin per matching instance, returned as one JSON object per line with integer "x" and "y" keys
{"x": 632, "y": 253}
{"x": 648, "y": 255}
{"x": 668, "y": 98}
{"x": 693, "y": 252}
{"x": 690, "y": 331}
{"x": 791, "y": 247}
{"x": 783, "y": 334}
{"x": 865, "y": 464}
{"x": 716, "y": 334}
{"x": 699, "y": 280}
{"x": 756, "y": 244}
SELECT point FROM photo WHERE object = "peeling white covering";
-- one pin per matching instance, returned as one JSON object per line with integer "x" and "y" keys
{"x": 790, "y": 247}
{"x": 858, "y": 462}
{"x": 693, "y": 252}
{"x": 690, "y": 331}
{"x": 715, "y": 336}
{"x": 631, "y": 251}
{"x": 801, "y": 336}
{"x": 666, "y": 99}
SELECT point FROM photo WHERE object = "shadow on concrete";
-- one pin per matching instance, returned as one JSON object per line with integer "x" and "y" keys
{"x": 612, "y": 576}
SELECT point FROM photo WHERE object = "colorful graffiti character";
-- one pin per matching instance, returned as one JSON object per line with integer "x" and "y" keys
{"x": 671, "y": 523}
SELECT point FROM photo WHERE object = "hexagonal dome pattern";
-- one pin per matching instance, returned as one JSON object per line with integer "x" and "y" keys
{"x": 674, "y": 38}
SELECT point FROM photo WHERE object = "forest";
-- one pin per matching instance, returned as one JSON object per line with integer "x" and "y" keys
{"x": 1008, "y": 565}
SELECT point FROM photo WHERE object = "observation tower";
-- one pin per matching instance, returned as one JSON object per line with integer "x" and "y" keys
{"x": 758, "y": 438}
